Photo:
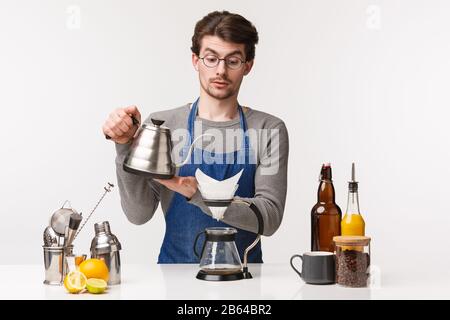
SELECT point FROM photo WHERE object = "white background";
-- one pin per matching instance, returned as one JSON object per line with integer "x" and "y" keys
{"x": 363, "y": 81}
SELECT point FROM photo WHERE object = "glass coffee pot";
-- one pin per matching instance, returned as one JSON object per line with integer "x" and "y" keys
{"x": 219, "y": 257}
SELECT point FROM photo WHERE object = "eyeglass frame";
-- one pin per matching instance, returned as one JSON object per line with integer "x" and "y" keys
{"x": 223, "y": 59}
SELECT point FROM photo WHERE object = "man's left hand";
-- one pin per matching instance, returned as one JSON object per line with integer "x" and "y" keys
{"x": 187, "y": 186}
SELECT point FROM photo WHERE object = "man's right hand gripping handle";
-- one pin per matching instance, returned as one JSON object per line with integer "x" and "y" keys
{"x": 122, "y": 124}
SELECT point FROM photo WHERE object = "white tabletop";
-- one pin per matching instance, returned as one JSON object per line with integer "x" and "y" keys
{"x": 271, "y": 281}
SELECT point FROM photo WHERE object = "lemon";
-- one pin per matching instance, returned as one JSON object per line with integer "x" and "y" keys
{"x": 94, "y": 285}
{"x": 75, "y": 282}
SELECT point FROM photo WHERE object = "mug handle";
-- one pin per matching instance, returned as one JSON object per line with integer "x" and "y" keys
{"x": 292, "y": 265}
{"x": 195, "y": 244}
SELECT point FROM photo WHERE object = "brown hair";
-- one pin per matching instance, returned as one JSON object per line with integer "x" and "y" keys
{"x": 229, "y": 27}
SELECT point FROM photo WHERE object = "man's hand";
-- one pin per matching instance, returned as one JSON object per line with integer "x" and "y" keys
{"x": 119, "y": 126}
{"x": 187, "y": 186}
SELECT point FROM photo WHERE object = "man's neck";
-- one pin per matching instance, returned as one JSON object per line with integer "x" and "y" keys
{"x": 213, "y": 109}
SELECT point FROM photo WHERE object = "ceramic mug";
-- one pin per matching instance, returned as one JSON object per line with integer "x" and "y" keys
{"x": 318, "y": 267}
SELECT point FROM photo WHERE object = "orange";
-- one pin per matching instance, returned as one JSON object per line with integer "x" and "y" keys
{"x": 75, "y": 282}
{"x": 79, "y": 259}
{"x": 94, "y": 268}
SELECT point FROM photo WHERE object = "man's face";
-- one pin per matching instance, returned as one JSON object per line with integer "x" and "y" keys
{"x": 221, "y": 82}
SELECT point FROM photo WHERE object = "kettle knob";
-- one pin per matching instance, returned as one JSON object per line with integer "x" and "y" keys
{"x": 157, "y": 122}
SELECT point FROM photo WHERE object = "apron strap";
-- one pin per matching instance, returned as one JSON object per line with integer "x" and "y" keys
{"x": 242, "y": 121}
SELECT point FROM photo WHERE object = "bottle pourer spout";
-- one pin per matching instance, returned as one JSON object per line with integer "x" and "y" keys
{"x": 353, "y": 184}
{"x": 353, "y": 172}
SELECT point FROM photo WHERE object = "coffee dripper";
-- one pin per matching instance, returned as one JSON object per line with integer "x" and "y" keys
{"x": 219, "y": 258}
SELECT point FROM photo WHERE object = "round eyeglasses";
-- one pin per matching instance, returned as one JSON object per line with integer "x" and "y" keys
{"x": 232, "y": 62}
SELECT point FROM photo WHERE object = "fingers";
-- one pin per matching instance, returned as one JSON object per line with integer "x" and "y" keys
{"x": 134, "y": 111}
{"x": 189, "y": 182}
{"x": 108, "y": 132}
{"x": 187, "y": 186}
{"x": 111, "y": 129}
{"x": 119, "y": 125}
{"x": 121, "y": 121}
{"x": 168, "y": 182}
{"x": 114, "y": 124}
{"x": 190, "y": 186}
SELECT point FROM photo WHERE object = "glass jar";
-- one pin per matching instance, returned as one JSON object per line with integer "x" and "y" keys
{"x": 352, "y": 260}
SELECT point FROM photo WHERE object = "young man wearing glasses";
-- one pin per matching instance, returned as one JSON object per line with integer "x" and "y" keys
{"x": 223, "y": 51}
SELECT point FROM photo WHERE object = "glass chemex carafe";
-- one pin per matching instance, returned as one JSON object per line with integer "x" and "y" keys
{"x": 219, "y": 258}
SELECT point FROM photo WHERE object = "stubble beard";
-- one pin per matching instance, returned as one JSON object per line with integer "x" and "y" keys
{"x": 218, "y": 94}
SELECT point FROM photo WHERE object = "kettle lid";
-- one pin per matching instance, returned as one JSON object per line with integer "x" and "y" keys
{"x": 157, "y": 122}
{"x": 156, "y": 125}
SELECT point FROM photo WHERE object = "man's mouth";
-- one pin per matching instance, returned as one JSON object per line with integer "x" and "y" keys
{"x": 220, "y": 84}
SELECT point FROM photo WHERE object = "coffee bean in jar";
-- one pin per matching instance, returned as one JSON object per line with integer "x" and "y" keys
{"x": 352, "y": 260}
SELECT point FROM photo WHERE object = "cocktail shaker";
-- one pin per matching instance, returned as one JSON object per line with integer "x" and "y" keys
{"x": 106, "y": 246}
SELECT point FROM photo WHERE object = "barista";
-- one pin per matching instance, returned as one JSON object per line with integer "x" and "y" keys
{"x": 223, "y": 52}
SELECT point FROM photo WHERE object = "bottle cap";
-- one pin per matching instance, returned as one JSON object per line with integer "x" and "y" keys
{"x": 325, "y": 172}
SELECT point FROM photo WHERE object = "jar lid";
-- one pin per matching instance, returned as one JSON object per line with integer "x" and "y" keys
{"x": 352, "y": 240}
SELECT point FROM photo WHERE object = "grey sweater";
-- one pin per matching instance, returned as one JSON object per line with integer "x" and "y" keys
{"x": 140, "y": 196}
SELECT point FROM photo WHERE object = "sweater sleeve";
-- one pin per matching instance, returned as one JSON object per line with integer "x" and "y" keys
{"x": 270, "y": 188}
{"x": 139, "y": 196}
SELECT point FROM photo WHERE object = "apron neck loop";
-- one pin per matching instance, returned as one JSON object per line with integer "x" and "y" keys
{"x": 193, "y": 115}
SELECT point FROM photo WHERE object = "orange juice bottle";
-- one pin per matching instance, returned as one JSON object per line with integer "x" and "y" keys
{"x": 353, "y": 223}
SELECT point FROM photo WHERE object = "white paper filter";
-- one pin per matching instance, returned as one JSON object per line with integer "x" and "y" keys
{"x": 212, "y": 189}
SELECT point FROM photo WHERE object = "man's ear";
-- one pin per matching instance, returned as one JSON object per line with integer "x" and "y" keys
{"x": 195, "y": 61}
{"x": 248, "y": 67}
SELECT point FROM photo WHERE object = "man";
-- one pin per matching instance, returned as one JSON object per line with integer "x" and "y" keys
{"x": 223, "y": 51}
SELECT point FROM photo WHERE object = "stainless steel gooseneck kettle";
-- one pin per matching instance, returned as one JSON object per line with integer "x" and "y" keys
{"x": 150, "y": 153}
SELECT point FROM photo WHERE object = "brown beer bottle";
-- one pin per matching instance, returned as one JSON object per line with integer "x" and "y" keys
{"x": 326, "y": 215}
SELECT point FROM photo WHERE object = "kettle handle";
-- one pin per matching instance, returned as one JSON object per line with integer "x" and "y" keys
{"x": 135, "y": 122}
{"x": 195, "y": 244}
{"x": 188, "y": 157}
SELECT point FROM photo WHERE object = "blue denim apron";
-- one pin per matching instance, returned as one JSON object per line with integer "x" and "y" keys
{"x": 184, "y": 220}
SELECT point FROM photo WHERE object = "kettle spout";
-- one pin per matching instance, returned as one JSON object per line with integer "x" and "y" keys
{"x": 188, "y": 157}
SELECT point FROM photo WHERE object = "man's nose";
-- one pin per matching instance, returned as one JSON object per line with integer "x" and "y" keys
{"x": 221, "y": 67}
